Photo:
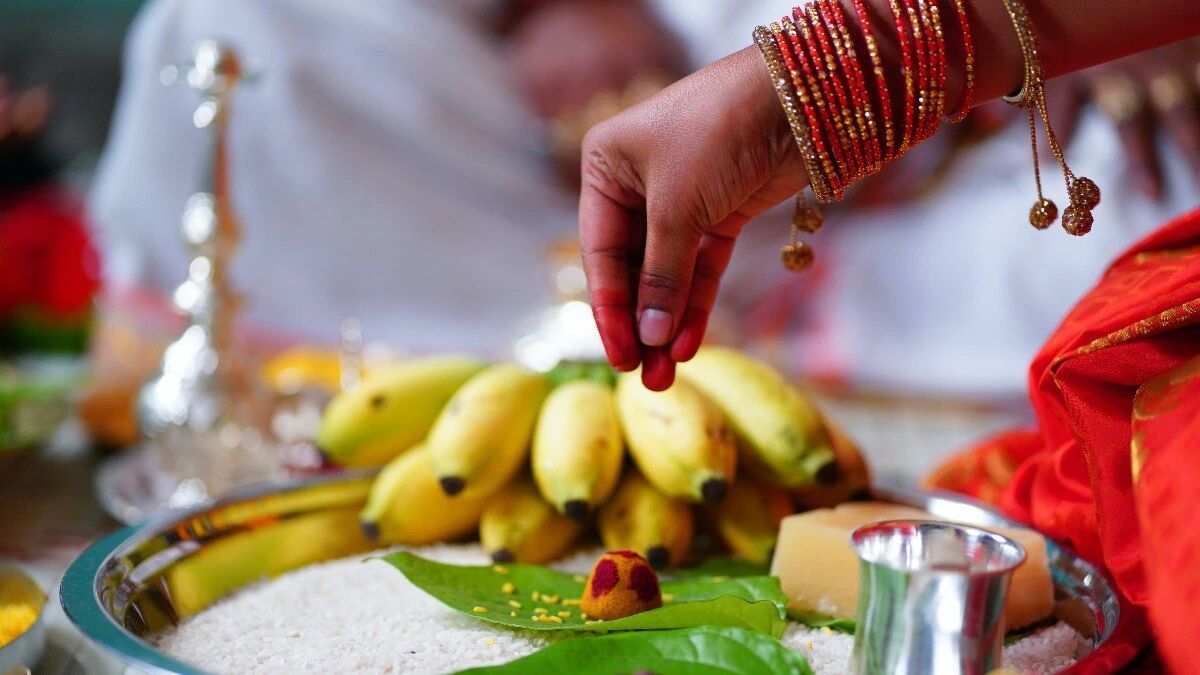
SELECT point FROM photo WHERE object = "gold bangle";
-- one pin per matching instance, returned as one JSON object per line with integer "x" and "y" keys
{"x": 796, "y": 256}
{"x": 810, "y": 95}
{"x": 787, "y": 98}
{"x": 1084, "y": 194}
{"x": 1031, "y": 62}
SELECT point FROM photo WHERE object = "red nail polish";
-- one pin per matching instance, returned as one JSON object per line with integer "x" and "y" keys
{"x": 616, "y": 332}
{"x": 688, "y": 342}
{"x": 658, "y": 370}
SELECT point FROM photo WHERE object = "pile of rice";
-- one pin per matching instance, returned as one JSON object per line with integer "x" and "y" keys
{"x": 353, "y": 615}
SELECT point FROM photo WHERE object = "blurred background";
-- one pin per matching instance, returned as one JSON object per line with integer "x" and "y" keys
{"x": 398, "y": 177}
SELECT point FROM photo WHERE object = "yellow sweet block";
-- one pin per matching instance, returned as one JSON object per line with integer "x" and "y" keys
{"x": 818, "y": 569}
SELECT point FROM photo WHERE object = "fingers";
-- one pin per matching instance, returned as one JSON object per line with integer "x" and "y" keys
{"x": 666, "y": 274}
{"x": 1138, "y": 137}
{"x": 678, "y": 281}
{"x": 711, "y": 262}
{"x": 1175, "y": 101}
{"x": 1121, "y": 99}
{"x": 679, "y": 176}
{"x": 30, "y": 110}
{"x": 606, "y": 236}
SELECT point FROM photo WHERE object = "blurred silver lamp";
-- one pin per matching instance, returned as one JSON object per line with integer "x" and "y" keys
{"x": 564, "y": 331}
{"x": 202, "y": 417}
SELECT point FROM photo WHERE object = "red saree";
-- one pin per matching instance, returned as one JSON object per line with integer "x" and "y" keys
{"x": 1114, "y": 467}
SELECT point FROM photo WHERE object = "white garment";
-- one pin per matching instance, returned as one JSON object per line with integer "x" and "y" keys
{"x": 955, "y": 292}
{"x": 384, "y": 168}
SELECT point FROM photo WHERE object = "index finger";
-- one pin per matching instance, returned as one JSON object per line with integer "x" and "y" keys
{"x": 606, "y": 236}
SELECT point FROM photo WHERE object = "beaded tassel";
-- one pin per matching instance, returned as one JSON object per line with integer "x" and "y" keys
{"x": 1083, "y": 193}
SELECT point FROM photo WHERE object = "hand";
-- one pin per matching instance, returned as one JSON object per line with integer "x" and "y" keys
{"x": 1144, "y": 95}
{"x": 23, "y": 113}
{"x": 23, "y": 117}
{"x": 667, "y": 187}
{"x": 569, "y": 51}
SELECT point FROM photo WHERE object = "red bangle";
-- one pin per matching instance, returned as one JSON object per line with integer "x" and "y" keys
{"x": 921, "y": 51}
{"x": 850, "y": 73}
{"x": 964, "y": 27}
{"x": 906, "y": 60}
{"x": 823, "y": 52}
{"x": 810, "y": 55}
{"x": 881, "y": 88}
{"x": 933, "y": 18}
{"x": 828, "y": 116}
{"x": 818, "y": 68}
{"x": 832, "y": 92}
{"x": 817, "y": 73}
{"x": 785, "y": 40}
{"x": 932, "y": 73}
{"x": 835, "y": 20}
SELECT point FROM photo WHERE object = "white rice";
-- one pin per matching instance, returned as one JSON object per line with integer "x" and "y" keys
{"x": 1048, "y": 650}
{"x": 351, "y": 616}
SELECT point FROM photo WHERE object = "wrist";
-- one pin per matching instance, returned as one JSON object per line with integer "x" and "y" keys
{"x": 768, "y": 116}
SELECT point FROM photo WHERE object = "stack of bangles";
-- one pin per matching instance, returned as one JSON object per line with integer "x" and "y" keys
{"x": 833, "y": 86}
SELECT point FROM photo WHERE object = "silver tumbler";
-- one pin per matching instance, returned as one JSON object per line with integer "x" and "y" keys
{"x": 931, "y": 597}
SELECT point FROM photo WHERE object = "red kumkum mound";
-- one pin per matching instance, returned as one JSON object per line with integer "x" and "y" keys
{"x": 621, "y": 584}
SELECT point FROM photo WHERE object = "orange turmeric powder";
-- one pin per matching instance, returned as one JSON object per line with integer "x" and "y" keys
{"x": 621, "y": 584}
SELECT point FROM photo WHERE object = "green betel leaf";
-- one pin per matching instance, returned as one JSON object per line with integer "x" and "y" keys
{"x": 703, "y": 651}
{"x": 815, "y": 620}
{"x": 480, "y": 591}
{"x": 726, "y": 610}
{"x": 721, "y": 567}
{"x": 753, "y": 589}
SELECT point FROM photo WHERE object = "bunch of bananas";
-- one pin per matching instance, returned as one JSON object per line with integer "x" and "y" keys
{"x": 529, "y": 460}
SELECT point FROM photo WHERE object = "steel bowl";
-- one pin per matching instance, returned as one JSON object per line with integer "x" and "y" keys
{"x": 137, "y": 582}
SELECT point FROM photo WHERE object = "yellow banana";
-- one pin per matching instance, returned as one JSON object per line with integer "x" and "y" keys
{"x": 481, "y": 439}
{"x": 519, "y": 526}
{"x": 848, "y": 478}
{"x": 678, "y": 438}
{"x": 748, "y": 520}
{"x": 577, "y": 448}
{"x": 780, "y": 432}
{"x": 641, "y": 519}
{"x": 391, "y": 410}
{"x": 406, "y": 505}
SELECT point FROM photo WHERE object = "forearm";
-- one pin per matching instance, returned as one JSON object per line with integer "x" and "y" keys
{"x": 1072, "y": 35}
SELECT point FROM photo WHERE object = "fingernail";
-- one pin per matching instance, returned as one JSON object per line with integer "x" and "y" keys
{"x": 654, "y": 328}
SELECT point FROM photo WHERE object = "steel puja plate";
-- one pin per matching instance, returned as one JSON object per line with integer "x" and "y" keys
{"x": 136, "y": 582}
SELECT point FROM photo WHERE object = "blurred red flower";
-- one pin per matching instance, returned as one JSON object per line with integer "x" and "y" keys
{"x": 47, "y": 262}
